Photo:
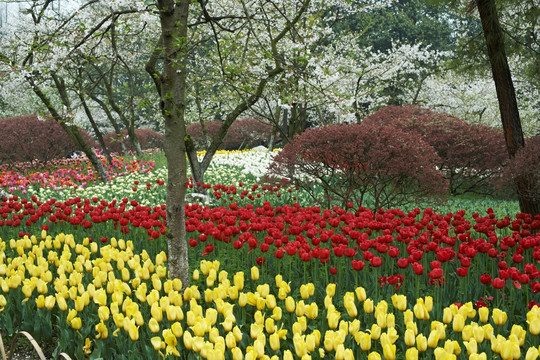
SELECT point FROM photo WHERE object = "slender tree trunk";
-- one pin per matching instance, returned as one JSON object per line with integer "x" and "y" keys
{"x": 506, "y": 96}
{"x": 171, "y": 88}
{"x": 98, "y": 133}
{"x": 73, "y": 133}
{"x": 275, "y": 125}
{"x": 113, "y": 121}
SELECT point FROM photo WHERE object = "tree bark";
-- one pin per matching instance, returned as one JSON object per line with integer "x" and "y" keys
{"x": 506, "y": 96}
{"x": 172, "y": 87}
{"x": 98, "y": 133}
{"x": 113, "y": 121}
{"x": 73, "y": 132}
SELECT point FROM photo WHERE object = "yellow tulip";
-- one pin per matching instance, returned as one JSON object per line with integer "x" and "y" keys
{"x": 311, "y": 342}
{"x": 458, "y": 323}
{"x": 287, "y": 355}
{"x": 375, "y": 332}
{"x": 254, "y": 273}
{"x": 269, "y": 326}
{"x": 351, "y": 308}
{"x": 333, "y": 317}
{"x": 488, "y": 331}
{"x": 399, "y": 302}
{"x": 420, "y": 310}
{"x": 409, "y": 337}
{"x": 354, "y": 327}
{"x": 156, "y": 312}
{"x": 271, "y": 302}
{"x": 331, "y": 289}
{"x": 40, "y": 302}
{"x": 176, "y": 329}
{"x": 299, "y": 345}
{"x": 237, "y": 334}
{"x": 157, "y": 343}
{"x": 389, "y": 351}
{"x": 274, "y": 341}
{"x": 479, "y": 334}
{"x": 237, "y": 353}
{"x": 312, "y": 311}
{"x": 483, "y": 314}
{"x": 421, "y": 342}
{"x": 428, "y": 302}
{"x": 133, "y": 330}
{"x": 433, "y": 339}
{"x": 510, "y": 350}
{"x": 374, "y": 356}
{"x": 171, "y": 341}
{"x": 532, "y": 353}
{"x": 76, "y": 323}
{"x": 408, "y": 316}
{"x": 411, "y": 354}
{"x": 50, "y": 301}
{"x": 471, "y": 346}
{"x": 364, "y": 340}
{"x": 368, "y": 306}
{"x": 448, "y": 315}
{"x": 188, "y": 340}
{"x": 499, "y": 317}
{"x": 290, "y": 304}
{"x": 360, "y": 293}
{"x": 102, "y": 330}
{"x": 3, "y": 301}
{"x": 304, "y": 291}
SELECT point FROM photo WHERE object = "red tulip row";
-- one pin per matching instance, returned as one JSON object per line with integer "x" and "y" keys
{"x": 391, "y": 238}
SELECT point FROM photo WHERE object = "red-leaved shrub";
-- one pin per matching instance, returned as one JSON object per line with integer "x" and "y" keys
{"x": 369, "y": 165}
{"x": 525, "y": 166}
{"x": 27, "y": 138}
{"x": 149, "y": 139}
{"x": 471, "y": 155}
{"x": 247, "y": 133}
{"x": 243, "y": 133}
{"x": 197, "y": 136}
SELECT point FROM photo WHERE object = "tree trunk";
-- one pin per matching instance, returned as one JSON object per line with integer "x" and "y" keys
{"x": 506, "y": 96}
{"x": 111, "y": 118}
{"x": 73, "y": 133}
{"x": 98, "y": 133}
{"x": 173, "y": 16}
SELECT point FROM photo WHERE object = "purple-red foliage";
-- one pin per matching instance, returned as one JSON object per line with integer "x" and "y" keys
{"x": 471, "y": 155}
{"x": 243, "y": 133}
{"x": 197, "y": 136}
{"x": 373, "y": 165}
{"x": 526, "y": 165}
{"x": 27, "y": 138}
{"x": 247, "y": 133}
{"x": 149, "y": 139}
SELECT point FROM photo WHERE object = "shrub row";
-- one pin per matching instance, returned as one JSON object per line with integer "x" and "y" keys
{"x": 27, "y": 138}
{"x": 399, "y": 154}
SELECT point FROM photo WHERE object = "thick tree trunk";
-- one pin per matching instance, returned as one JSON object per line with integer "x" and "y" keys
{"x": 174, "y": 16}
{"x": 506, "y": 95}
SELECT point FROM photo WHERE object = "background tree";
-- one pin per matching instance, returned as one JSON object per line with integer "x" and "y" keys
{"x": 508, "y": 107}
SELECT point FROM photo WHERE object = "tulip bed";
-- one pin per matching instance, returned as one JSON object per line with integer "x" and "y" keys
{"x": 336, "y": 283}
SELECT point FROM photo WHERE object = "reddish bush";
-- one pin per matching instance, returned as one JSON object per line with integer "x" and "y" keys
{"x": 27, "y": 138}
{"x": 195, "y": 132}
{"x": 247, "y": 133}
{"x": 149, "y": 139}
{"x": 369, "y": 165}
{"x": 526, "y": 166}
{"x": 471, "y": 155}
{"x": 243, "y": 133}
